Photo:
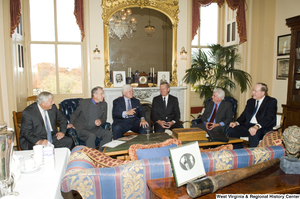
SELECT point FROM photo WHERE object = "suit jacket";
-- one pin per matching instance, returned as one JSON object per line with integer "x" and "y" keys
{"x": 119, "y": 106}
{"x": 33, "y": 126}
{"x": 158, "y": 111}
{"x": 224, "y": 113}
{"x": 265, "y": 116}
{"x": 81, "y": 116}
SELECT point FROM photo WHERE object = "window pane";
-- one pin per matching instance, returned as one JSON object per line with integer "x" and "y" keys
{"x": 42, "y": 20}
{"x": 195, "y": 40}
{"x": 69, "y": 67}
{"x": 209, "y": 24}
{"x": 67, "y": 28}
{"x": 43, "y": 68}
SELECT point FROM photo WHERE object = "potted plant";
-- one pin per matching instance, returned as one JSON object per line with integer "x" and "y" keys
{"x": 214, "y": 68}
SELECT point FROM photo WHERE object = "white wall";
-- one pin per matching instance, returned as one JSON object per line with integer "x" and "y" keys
{"x": 284, "y": 9}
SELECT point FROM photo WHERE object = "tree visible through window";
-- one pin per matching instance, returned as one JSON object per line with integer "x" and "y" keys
{"x": 55, "y": 47}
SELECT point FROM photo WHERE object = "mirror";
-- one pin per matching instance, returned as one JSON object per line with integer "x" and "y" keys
{"x": 140, "y": 52}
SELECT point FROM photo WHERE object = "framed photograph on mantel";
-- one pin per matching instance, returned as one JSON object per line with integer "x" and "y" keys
{"x": 163, "y": 76}
{"x": 187, "y": 163}
{"x": 119, "y": 78}
{"x": 283, "y": 45}
{"x": 282, "y": 68}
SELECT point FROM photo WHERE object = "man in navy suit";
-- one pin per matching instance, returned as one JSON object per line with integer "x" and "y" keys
{"x": 257, "y": 119}
{"x": 222, "y": 116}
{"x": 38, "y": 125}
{"x": 165, "y": 113}
{"x": 128, "y": 114}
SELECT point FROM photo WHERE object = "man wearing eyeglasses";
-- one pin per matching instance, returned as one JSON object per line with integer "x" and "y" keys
{"x": 257, "y": 119}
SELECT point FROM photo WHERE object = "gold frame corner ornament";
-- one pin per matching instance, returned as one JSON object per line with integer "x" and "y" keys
{"x": 168, "y": 7}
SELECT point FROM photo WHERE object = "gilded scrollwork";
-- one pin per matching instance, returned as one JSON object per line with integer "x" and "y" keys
{"x": 168, "y": 7}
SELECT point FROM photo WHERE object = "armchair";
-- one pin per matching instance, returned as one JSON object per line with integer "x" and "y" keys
{"x": 68, "y": 106}
{"x": 234, "y": 105}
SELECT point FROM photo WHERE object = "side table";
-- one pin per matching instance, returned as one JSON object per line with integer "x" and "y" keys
{"x": 42, "y": 184}
{"x": 270, "y": 181}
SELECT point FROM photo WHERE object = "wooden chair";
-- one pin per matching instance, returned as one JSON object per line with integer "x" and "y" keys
{"x": 31, "y": 99}
{"x": 17, "y": 116}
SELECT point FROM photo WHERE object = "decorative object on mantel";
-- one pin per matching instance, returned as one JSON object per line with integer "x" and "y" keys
{"x": 122, "y": 23}
{"x": 143, "y": 80}
{"x": 119, "y": 78}
{"x": 163, "y": 76}
{"x": 149, "y": 30}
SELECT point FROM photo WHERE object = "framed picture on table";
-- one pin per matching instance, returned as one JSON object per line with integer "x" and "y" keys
{"x": 283, "y": 45}
{"x": 282, "y": 71}
{"x": 163, "y": 76}
{"x": 119, "y": 78}
{"x": 187, "y": 163}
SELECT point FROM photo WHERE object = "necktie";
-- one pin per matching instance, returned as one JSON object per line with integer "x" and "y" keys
{"x": 48, "y": 129}
{"x": 129, "y": 105}
{"x": 165, "y": 103}
{"x": 214, "y": 114}
{"x": 256, "y": 107}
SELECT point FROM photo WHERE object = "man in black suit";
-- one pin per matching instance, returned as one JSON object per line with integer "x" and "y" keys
{"x": 165, "y": 113}
{"x": 38, "y": 125}
{"x": 88, "y": 117}
{"x": 257, "y": 119}
{"x": 128, "y": 114}
{"x": 217, "y": 114}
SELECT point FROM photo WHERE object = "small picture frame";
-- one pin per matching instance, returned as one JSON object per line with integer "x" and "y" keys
{"x": 187, "y": 163}
{"x": 119, "y": 78}
{"x": 282, "y": 68}
{"x": 283, "y": 45}
{"x": 297, "y": 84}
{"x": 163, "y": 76}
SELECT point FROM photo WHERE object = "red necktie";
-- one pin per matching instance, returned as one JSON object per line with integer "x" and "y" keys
{"x": 214, "y": 114}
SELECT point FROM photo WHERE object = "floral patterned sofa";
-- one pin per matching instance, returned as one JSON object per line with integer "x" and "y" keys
{"x": 130, "y": 180}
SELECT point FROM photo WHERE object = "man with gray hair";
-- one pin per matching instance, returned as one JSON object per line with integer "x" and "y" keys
{"x": 128, "y": 114}
{"x": 218, "y": 112}
{"x": 88, "y": 117}
{"x": 38, "y": 125}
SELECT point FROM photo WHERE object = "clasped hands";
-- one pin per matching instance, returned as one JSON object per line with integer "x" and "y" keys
{"x": 165, "y": 124}
{"x": 252, "y": 130}
{"x": 210, "y": 126}
{"x": 59, "y": 135}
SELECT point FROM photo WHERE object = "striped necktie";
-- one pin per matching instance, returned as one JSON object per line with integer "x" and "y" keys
{"x": 48, "y": 129}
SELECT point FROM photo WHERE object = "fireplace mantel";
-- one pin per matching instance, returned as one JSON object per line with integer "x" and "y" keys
{"x": 145, "y": 95}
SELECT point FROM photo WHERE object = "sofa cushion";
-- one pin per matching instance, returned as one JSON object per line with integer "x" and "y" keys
{"x": 140, "y": 151}
{"x": 272, "y": 138}
{"x": 100, "y": 159}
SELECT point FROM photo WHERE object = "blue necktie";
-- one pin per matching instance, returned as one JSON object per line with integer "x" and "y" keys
{"x": 256, "y": 107}
{"x": 48, "y": 129}
{"x": 129, "y": 107}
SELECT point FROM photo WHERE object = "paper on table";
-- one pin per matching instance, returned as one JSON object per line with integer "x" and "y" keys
{"x": 114, "y": 143}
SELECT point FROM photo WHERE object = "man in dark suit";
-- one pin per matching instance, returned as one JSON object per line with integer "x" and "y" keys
{"x": 38, "y": 125}
{"x": 128, "y": 114}
{"x": 257, "y": 119}
{"x": 165, "y": 113}
{"x": 217, "y": 114}
{"x": 88, "y": 117}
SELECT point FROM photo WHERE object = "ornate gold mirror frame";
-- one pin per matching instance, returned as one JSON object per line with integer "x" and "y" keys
{"x": 168, "y": 7}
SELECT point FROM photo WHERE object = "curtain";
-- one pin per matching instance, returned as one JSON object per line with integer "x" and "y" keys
{"x": 233, "y": 4}
{"x": 78, "y": 12}
{"x": 15, "y": 13}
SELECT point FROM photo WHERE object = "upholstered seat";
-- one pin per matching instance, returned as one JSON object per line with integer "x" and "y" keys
{"x": 234, "y": 105}
{"x": 68, "y": 106}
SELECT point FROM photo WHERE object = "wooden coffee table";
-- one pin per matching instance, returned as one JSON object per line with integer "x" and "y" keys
{"x": 270, "y": 181}
{"x": 121, "y": 151}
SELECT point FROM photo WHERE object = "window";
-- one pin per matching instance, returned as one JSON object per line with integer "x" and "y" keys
{"x": 208, "y": 31}
{"x": 55, "y": 47}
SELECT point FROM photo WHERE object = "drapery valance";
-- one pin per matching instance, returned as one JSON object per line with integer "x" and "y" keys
{"x": 15, "y": 13}
{"x": 78, "y": 12}
{"x": 233, "y": 4}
